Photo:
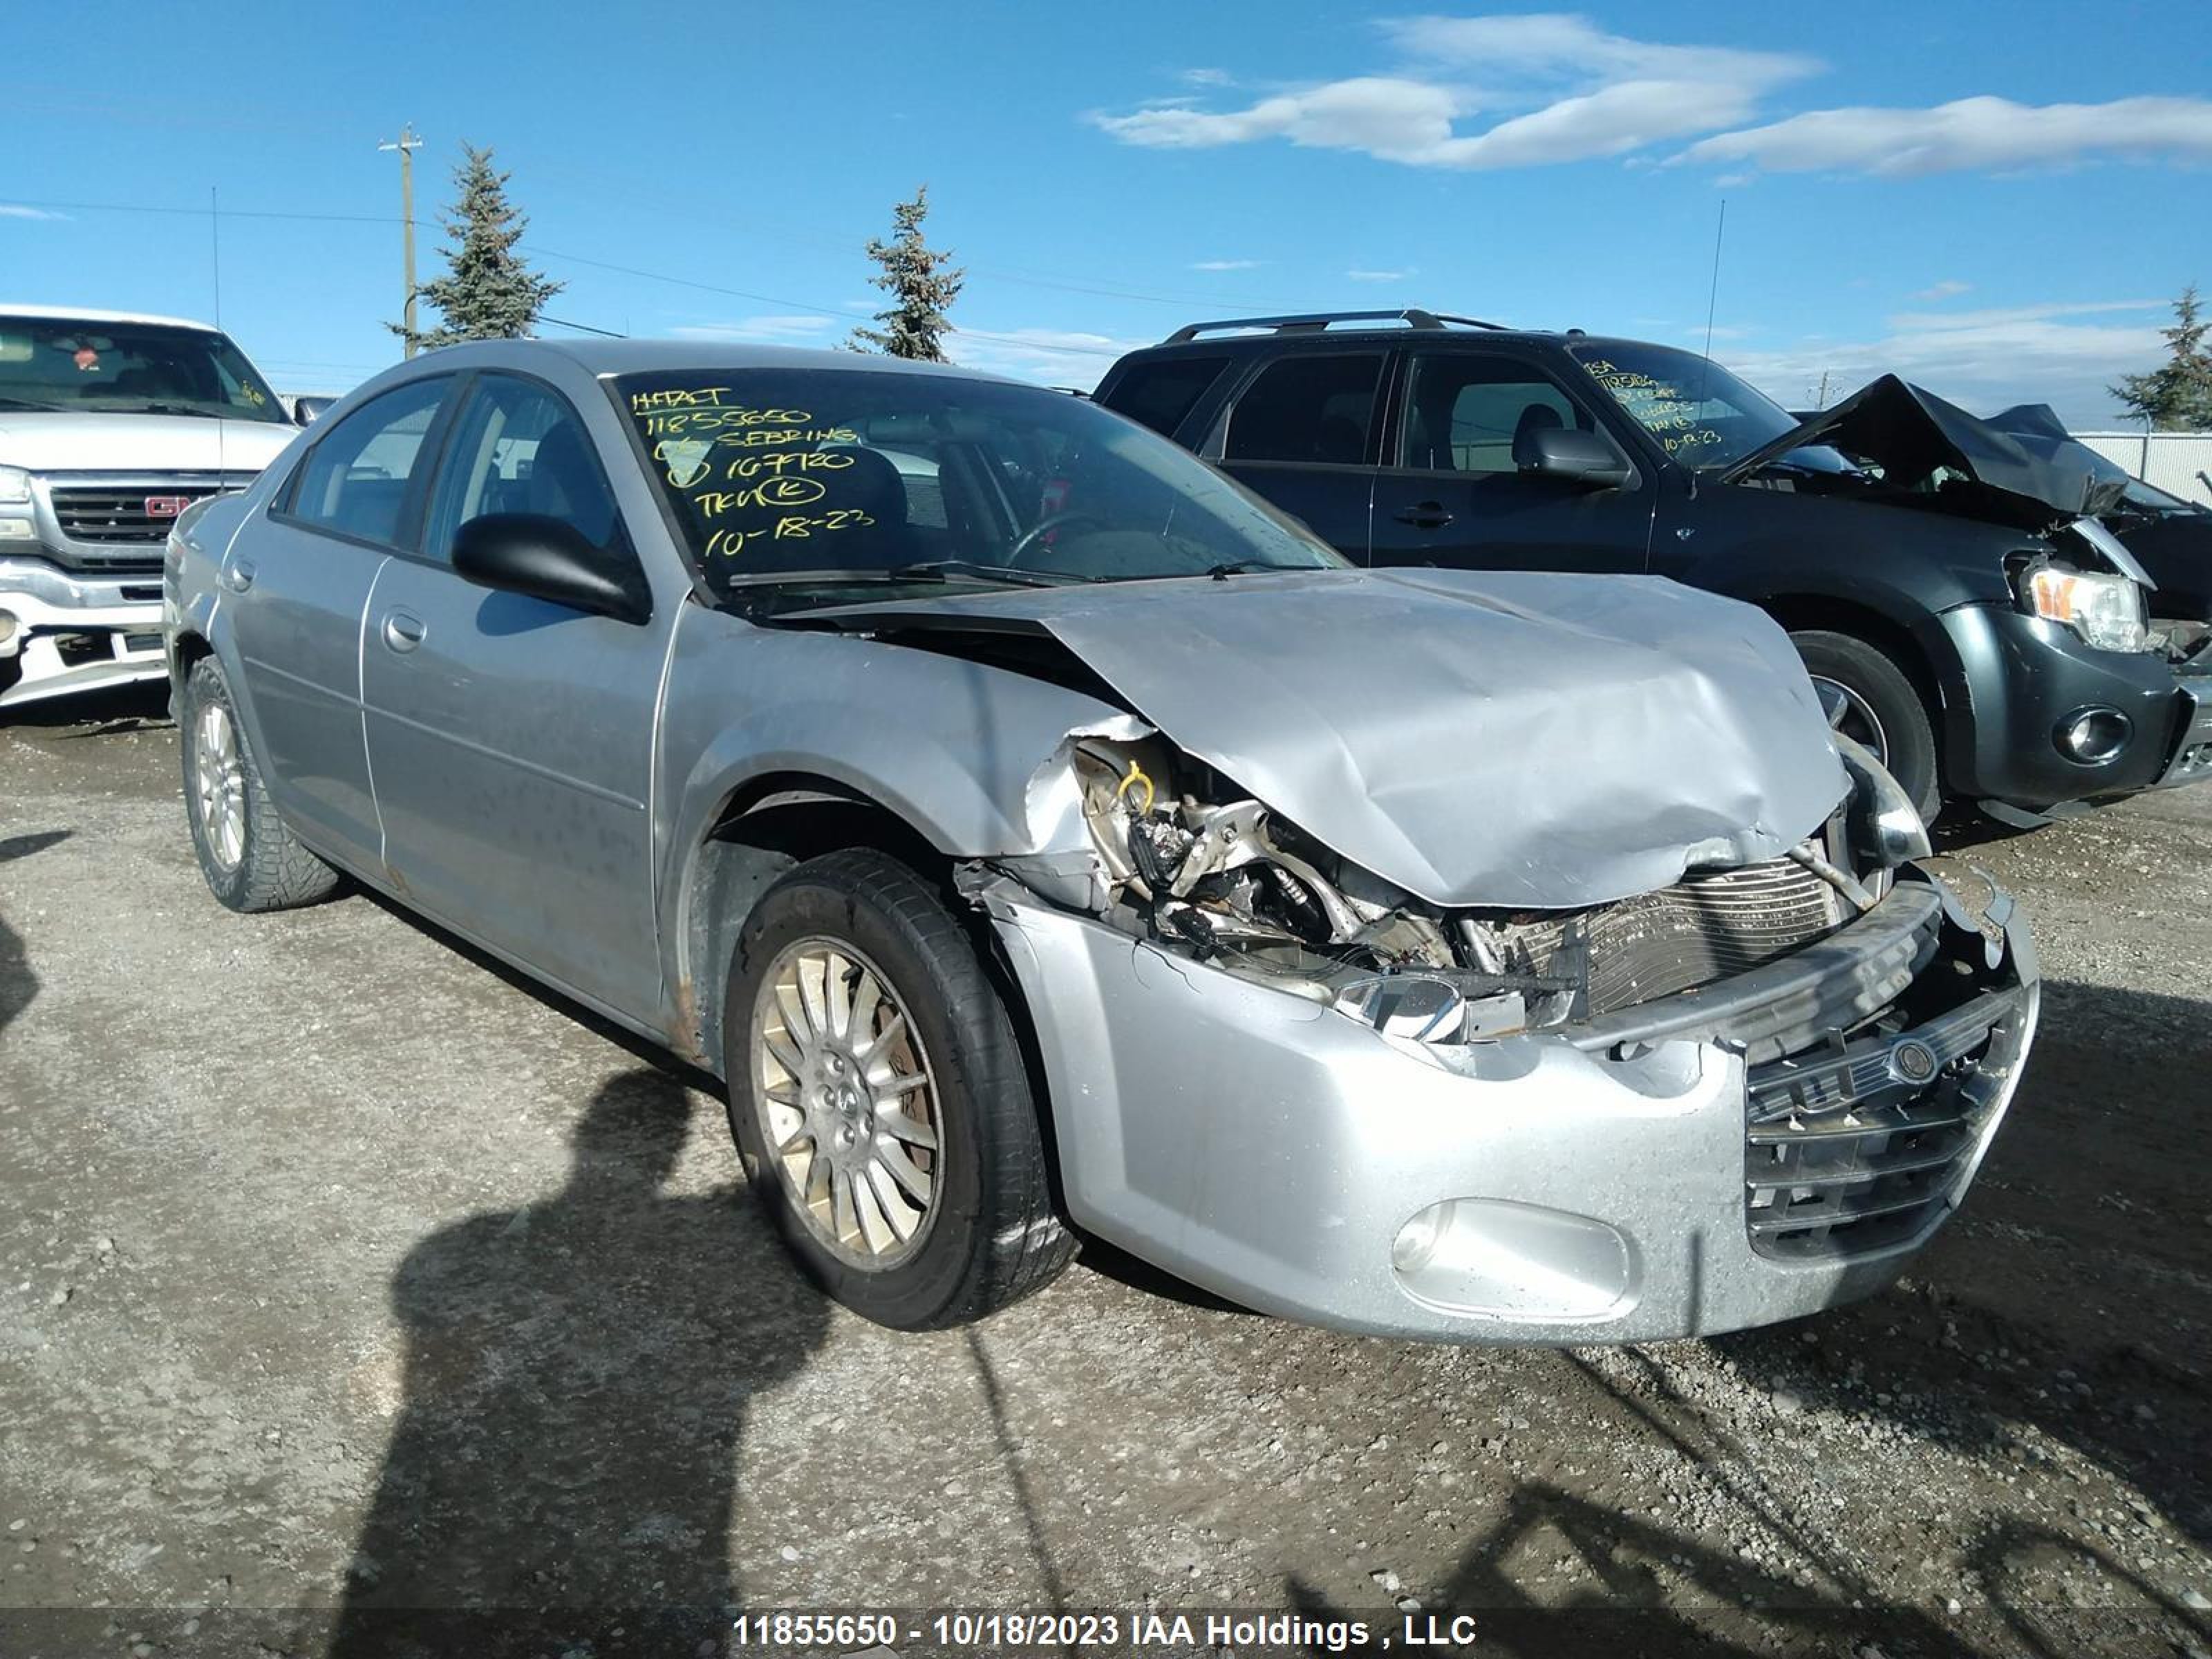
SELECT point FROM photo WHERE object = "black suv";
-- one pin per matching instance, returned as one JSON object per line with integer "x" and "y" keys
{"x": 1959, "y": 606}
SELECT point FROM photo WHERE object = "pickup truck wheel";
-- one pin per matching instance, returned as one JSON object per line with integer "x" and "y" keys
{"x": 1867, "y": 697}
{"x": 878, "y": 1096}
{"x": 250, "y": 860}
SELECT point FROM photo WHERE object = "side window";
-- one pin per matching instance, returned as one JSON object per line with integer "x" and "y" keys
{"x": 1306, "y": 408}
{"x": 355, "y": 479}
{"x": 518, "y": 448}
{"x": 1464, "y": 409}
{"x": 1160, "y": 393}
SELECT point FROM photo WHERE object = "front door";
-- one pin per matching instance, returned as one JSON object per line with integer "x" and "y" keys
{"x": 295, "y": 584}
{"x": 1455, "y": 496}
{"x": 510, "y": 737}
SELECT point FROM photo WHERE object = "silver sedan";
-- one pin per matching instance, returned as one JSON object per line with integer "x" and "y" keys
{"x": 1043, "y": 838}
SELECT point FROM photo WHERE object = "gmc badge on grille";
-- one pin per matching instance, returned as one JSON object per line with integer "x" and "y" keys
{"x": 167, "y": 506}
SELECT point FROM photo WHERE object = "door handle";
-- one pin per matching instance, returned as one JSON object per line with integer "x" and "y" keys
{"x": 402, "y": 632}
{"x": 238, "y": 575}
{"x": 1423, "y": 515}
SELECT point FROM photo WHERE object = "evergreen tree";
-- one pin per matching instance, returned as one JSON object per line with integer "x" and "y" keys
{"x": 923, "y": 283}
{"x": 487, "y": 293}
{"x": 2177, "y": 395}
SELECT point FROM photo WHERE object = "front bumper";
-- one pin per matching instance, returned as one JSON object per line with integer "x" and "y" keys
{"x": 2021, "y": 679}
{"x": 1593, "y": 1186}
{"x": 75, "y": 633}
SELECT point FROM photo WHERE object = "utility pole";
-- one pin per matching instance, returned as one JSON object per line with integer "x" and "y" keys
{"x": 408, "y": 143}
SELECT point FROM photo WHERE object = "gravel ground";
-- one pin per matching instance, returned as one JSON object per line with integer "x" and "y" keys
{"x": 339, "y": 1265}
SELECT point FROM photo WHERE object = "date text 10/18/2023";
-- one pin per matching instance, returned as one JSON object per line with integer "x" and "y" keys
{"x": 1002, "y": 1631}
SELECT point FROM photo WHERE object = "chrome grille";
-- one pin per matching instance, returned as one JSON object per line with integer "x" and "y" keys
{"x": 1858, "y": 1146}
{"x": 110, "y": 517}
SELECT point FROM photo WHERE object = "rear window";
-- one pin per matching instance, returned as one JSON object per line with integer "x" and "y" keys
{"x": 1161, "y": 393}
{"x": 1315, "y": 409}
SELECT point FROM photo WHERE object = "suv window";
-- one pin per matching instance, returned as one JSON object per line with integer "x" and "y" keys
{"x": 518, "y": 448}
{"x": 353, "y": 481}
{"x": 1307, "y": 408}
{"x": 1162, "y": 392}
{"x": 1464, "y": 409}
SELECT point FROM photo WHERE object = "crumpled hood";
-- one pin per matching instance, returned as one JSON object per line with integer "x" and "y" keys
{"x": 1515, "y": 739}
{"x": 95, "y": 442}
{"x": 2035, "y": 473}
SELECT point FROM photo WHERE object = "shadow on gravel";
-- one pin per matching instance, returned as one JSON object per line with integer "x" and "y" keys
{"x": 2070, "y": 1302}
{"x": 2062, "y": 1318}
{"x": 94, "y": 713}
{"x": 18, "y": 984}
{"x": 577, "y": 1376}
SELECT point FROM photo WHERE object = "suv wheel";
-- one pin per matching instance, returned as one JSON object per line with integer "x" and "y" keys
{"x": 878, "y": 1096}
{"x": 250, "y": 860}
{"x": 1866, "y": 697}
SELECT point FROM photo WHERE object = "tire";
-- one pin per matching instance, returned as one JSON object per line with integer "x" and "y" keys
{"x": 989, "y": 1233}
{"x": 255, "y": 863}
{"x": 1877, "y": 691}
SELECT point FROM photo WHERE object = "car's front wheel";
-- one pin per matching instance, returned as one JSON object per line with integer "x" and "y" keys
{"x": 1868, "y": 698}
{"x": 880, "y": 1097}
{"x": 251, "y": 859}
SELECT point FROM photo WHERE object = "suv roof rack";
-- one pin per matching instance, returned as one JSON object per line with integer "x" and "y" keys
{"x": 1316, "y": 321}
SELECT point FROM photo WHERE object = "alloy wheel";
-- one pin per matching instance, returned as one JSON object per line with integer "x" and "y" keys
{"x": 219, "y": 781}
{"x": 1851, "y": 714}
{"x": 847, "y": 1107}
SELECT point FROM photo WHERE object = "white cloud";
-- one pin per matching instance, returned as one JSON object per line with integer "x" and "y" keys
{"x": 1226, "y": 265}
{"x": 1378, "y": 275}
{"x": 1206, "y": 77}
{"x": 766, "y": 331}
{"x": 1055, "y": 356}
{"x": 1558, "y": 88}
{"x": 1948, "y": 288}
{"x": 1983, "y": 360}
{"x": 17, "y": 210}
{"x": 1971, "y": 133}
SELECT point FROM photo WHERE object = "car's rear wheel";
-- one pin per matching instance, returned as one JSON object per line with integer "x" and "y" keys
{"x": 1869, "y": 699}
{"x": 253, "y": 861}
{"x": 880, "y": 1099}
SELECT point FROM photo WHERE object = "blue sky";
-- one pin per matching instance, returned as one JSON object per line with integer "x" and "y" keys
{"x": 1998, "y": 200}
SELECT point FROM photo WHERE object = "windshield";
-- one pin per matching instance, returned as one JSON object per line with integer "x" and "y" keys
{"x": 128, "y": 368}
{"x": 798, "y": 482}
{"x": 1702, "y": 414}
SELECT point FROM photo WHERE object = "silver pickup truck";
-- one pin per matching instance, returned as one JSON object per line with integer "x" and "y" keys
{"x": 109, "y": 426}
{"x": 1033, "y": 828}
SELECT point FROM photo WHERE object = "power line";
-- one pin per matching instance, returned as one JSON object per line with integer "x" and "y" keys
{"x": 841, "y": 313}
{"x": 543, "y": 252}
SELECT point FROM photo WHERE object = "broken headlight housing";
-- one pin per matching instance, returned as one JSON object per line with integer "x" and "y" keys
{"x": 2105, "y": 608}
{"x": 1184, "y": 859}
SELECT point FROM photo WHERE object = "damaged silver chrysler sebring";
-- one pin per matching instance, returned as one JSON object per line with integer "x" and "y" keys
{"x": 1040, "y": 834}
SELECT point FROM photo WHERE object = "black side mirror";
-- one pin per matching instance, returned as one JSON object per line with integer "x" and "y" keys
{"x": 305, "y": 411}
{"x": 551, "y": 559}
{"x": 1586, "y": 459}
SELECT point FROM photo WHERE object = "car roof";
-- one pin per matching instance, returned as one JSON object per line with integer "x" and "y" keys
{"x": 1316, "y": 331}
{"x": 647, "y": 356}
{"x": 85, "y": 314}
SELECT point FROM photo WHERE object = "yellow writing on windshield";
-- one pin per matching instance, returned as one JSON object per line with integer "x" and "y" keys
{"x": 781, "y": 484}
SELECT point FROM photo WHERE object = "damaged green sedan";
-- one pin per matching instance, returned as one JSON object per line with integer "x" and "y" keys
{"x": 1042, "y": 837}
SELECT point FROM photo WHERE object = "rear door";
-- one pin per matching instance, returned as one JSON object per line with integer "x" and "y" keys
{"x": 1452, "y": 494}
{"x": 1303, "y": 432}
{"x": 512, "y": 739}
{"x": 296, "y": 583}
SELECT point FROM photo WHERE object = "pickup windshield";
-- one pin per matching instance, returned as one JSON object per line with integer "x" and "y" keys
{"x": 1702, "y": 414}
{"x": 63, "y": 365}
{"x": 793, "y": 486}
